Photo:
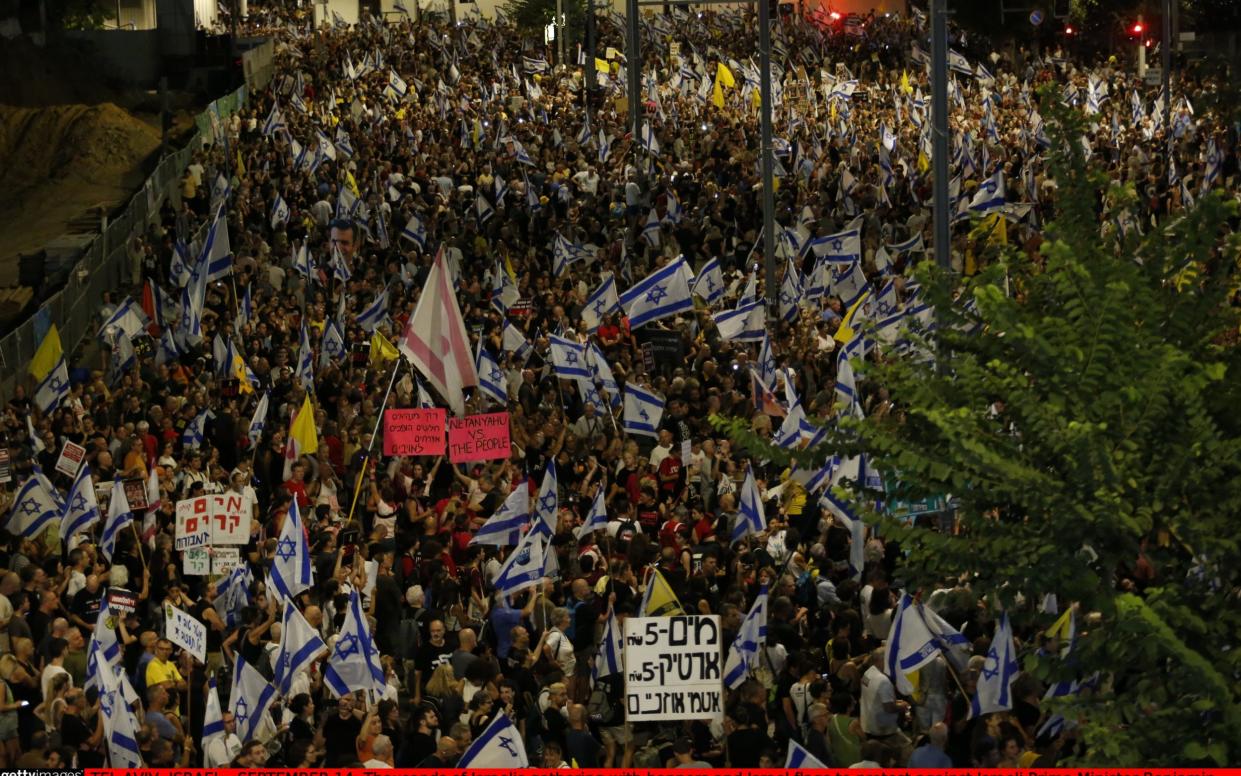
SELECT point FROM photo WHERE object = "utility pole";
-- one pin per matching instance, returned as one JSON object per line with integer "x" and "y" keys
{"x": 1166, "y": 48}
{"x": 559, "y": 27}
{"x": 633, "y": 66}
{"x": 939, "y": 129}
{"x": 765, "y": 156}
{"x": 589, "y": 44}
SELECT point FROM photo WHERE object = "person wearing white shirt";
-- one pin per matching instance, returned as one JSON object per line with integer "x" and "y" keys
{"x": 222, "y": 749}
{"x": 382, "y": 749}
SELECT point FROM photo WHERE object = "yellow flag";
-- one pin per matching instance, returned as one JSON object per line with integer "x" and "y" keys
{"x": 302, "y": 431}
{"x": 602, "y": 65}
{"x": 660, "y": 601}
{"x": 723, "y": 80}
{"x": 924, "y": 162}
{"x": 1062, "y": 628}
{"x": 241, "y": 166}
{"x": 242, "y": 374}
{"x": 833, "y": 110}
{"x": 846, "y": 332}
{"x": 48, "y": 354}
{"x": 905, "y": 87}
{"x": 382, "y": 351}
{"x": 352, "y": 184}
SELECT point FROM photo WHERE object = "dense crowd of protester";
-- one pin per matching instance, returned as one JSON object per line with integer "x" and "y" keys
{"x": 458, "y": 139}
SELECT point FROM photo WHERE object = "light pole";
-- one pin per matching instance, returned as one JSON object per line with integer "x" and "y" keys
{"x": 766, "y": 161}
{"x": 939, "y": 129}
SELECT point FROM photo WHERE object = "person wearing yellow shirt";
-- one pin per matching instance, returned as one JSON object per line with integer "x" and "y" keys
{"x": 162, "y": 671}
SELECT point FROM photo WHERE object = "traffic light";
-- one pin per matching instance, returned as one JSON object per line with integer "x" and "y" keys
{"x": 1137, "y": 28}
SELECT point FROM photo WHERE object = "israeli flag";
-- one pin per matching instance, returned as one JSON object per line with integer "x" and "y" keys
{"x": 491, "y": 379}
{"x": 643, "y": 411}
{"x": 601, "y": 373}
{"x": 910, "y": 645}
{"x": 663, "y": 293}
{"x": 848, "y": 282}
{"x": 128, "y": 319}
{"x": 565, "y": 253}
{"x": 914, "y": 244}
{"x": 291, "y": 572}
{"x": 332, "y": 345}
{"x": 119, "y": 515}
{"x": 354, "y": 662}
{"x": 990, "y": 194}
{"x": 766, "y": 360}
{"x": 746, "y": 323}
{"x": 299, "y": 646}
{"x": 35, "y": 505}
{"x": 709, "y": 284}
{"x": 800, "y": 759}
{"x": 596, "y": 518}
{"x": 279, "y": 211}
{"x": 233, "y": 594}
{"x": 104, "y": 636}
{"x": 1214, "y": 163}
{"x": 646, "y": 139}
{"x": 547, "y": 508}
{"x": 275, "y": 122}
{"x": 246, "y": 313}
{"x": 504, "y": 293}
{"x": 568, "y": 359}
{"x": 483, "y": 209}
{"x": 250, "y": 699}
{"x": 347, "y": 203}
{"x": 370, "y": 318}
{"x": 179, "y": 267}
{"x": 842, "y": 246}
{"x": 995, "y": 682}
{"x": 192, "y": 437}
{"x": 216, "y": 254}
{"x": 213, "y": 717}
{"x": 750, "y": 518}
{"x": 258, "y": 421}
{"x": 525, "y": 566}
{"x": 54, "y": 388}
{"x": 602, "y": 302}
{"x": 499, "y": 746}
{"x": 650, "y": 229}
{"x": 120, "y": 726}
{"x": 790, "y": 293}
{"x": 305, "y": 361}
{"x": 515, "y": 343}
{"x": 301, "y": 261}
{"x": 743, "y": 652}
{"x": 340, "y": 270}
{"x": 325, "y": 145}
{"x": 610, "y": 659}
{"x": 503, "y": 529}
{"x": 168, "y": 350}
{"x": 193, "y": 298}
{"x": 81, "y": 508}
{"x": 342, "y": 141}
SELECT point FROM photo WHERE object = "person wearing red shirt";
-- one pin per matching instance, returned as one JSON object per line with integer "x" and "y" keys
{"x": 675, "y": 531}
{"x": 671, "y": 477}
{"x": 296, "y": 486}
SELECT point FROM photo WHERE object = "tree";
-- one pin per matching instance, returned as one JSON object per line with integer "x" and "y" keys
{"x": 533, "y": 15}
{"x": 1087, "y": 427}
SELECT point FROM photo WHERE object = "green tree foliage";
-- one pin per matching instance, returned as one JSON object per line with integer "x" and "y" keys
{"x": 1085, "y": 416}
{"x": 533, "y": 15}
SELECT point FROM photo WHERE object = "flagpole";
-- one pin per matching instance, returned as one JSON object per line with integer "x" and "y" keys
{"x": 357, "y": 486}
{"x": 138, "y": 541}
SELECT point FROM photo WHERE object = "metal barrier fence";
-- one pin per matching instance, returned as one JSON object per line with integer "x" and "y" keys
{"x": 105, "y": 265}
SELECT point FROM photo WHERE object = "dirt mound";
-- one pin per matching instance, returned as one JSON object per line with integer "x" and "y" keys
{"x": 57, "y": 161}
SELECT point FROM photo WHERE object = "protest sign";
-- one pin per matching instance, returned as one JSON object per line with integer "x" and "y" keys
{"x": 122, "y": 600}
{"x": 6, "y": 466}
{"x": 478, "y": 437}
{"x": 136, "y": 494}
{"x": 196, "y": 562}
{"x": 213, "y": 520}
{"x": 225, "y": 559}
{"x": 70, "y": 459}
{"x": 414, "y": 432}
{"x": 182, "y": 629}
{"x": 673, "y": 668}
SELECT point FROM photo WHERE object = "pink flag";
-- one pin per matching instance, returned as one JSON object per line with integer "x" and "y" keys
{"x": 435, "y": 341}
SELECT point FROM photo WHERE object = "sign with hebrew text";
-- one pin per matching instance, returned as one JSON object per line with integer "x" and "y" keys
{"x": 673, "y": 668}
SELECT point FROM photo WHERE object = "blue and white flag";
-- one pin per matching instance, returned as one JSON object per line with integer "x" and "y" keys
{"x": 192, "y": 437}
{"x": 568, "y": 359}
{"x": 299, "y": 646}
{"x": 746, "y": 323}
{"x": 647, "y": 140}
{"x": 81, "y": 508}
{"x": 34, "y": 507}
{"x": 120, "y": 725}
{"x": 415, "y": 231}
{"x": 602, "y": 302}
{"x": 258, "y": 421}
{"x": 332, "y": 345}
{"x": 179, "y": 268}
{"x": 498, "y": 746}
{"x": 842, "y": 246}
{"x": 910, "y": 644}
{"x": 213, "y": 717}
{"x": 232, "y": 594}
{"x": 250, "y": 699}
{"x": 1214, "y": 163}
{"x": 291, "y": 571}
{"x": 301, "y": 261}
{"x": 514, "y": 342}
{"x": 750, "y": 516}
{"x": 650, "y": 229}
{"x": 491, "y": 379}
{"x": 547, "y": 508}
{"x": 370, "y": 318}
{"x": 524, "y": 567}
{"x": 354, "y": 662}
{"x": 766, "y": 364}
{"x": 343, "y": 144}
{"x": 109, "y": 647}
{"x": 123, "y": 357}
{"x": 848, "y": 282}
{"x": 128, "y": 319}
{"x": 119, "y": 515}
{"x": 483, "y": 209}
{"x": 663, "y": 293}
{"x": 743, "y": 653}
{"x": 643, "y": 411}
{"x": 503, "y": 528}
{"x": 914, "y": 244}
{"x": 340, "y": 270}
{"x": 279, "y": 211}
{"x": 565, "y": 252}
{"x": 610, "y": 658}
{"x": 246, "y": 313}
{"x": 995, "y": 681}
{"x": 790, "y": 292}
{"x": 596, "y": 518}
{"x": 217, "y": 254}
{"x": 167, "y": 350}
{"x": 709, "y": 283}
{"x": 55, "y": 386}
{"x": 601, "y": 373}
{"x": 504, "y": 292}
{"x": 305, "y": 361}
{"x": 990, "y": 194}
{"x": 800, "y": 759}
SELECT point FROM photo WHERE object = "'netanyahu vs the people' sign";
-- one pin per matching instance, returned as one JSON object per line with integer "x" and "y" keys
{"x": 478, "y": 437}
{"x": 673, "y": 668}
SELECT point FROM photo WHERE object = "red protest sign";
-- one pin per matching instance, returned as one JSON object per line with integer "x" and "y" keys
{"x": 478, "y": 437}
{"x": 414, "y": 431}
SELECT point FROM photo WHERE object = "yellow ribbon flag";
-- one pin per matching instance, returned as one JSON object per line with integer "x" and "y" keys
{"x": 846, "y": 332}
{"x": 382, "y": 351}
{"x": 48, "y": 355}
{"x": 924, "y": 162}
{"x": 352, "y": 184}
{"x": 602, "y": 65}
{"x": 905, "y": 86}
{"x": 242, "y": 374}
{"x": 241, "y": 166}
{"x": 302, "y": 431}
{"x": 659, "y": 600}
{"x": 723, "y": 80}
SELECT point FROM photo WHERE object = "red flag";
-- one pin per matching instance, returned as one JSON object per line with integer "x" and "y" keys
{"x": 435, "y": 341}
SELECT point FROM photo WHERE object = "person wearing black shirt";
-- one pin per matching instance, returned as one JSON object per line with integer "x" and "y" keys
{"x": 431, "y": 653}
{"x": 420, "y": 744}
{"x": 340, "y": 731}
{"x": 302, "y": 726}
{"x": 76, "y": 732}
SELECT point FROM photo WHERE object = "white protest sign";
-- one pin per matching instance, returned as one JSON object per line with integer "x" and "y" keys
{"x": 673, "y": 668}
{"x": 70, "y": 459}
{"x": 196, "y": 562}
{"x": 225, "y": 559}
{"x": 213, "y": 520}
{"x": 184, "y": 630}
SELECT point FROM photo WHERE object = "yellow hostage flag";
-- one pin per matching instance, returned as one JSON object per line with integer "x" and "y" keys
{"x": 659, "y": 600}
{"x": 352, "y": 184}
{"x": 723, "y": 79}
{"x": 924, "y": 162}
{"x": 845, "y": 331}
{"x": 48, "y": 354}
{"x": 302, "y": 431}
{"x": 905, "y": 87}
{"x": 602, "y": 65}
{"x": 241, "y": 166}
{"x": 242, "y": 374}
{"x": 382, "y": 351}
